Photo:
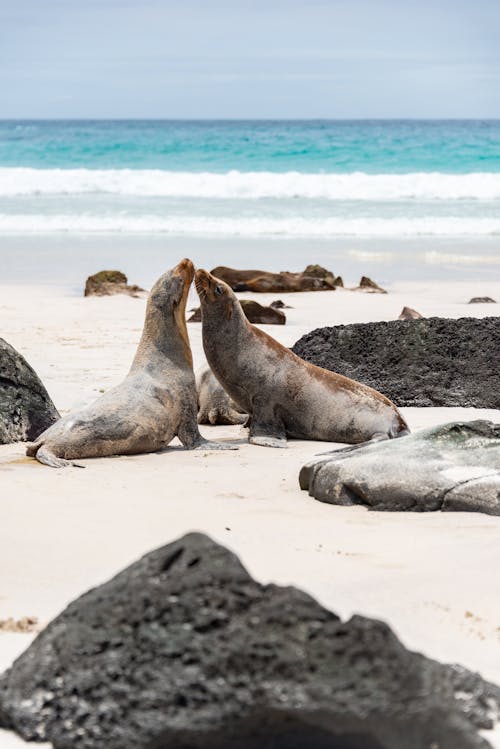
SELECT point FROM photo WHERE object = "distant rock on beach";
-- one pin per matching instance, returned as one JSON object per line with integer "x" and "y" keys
{"x": 428, "y": 362}
{"x": 26, "y": 409}
{"x": 366, "y": 284}
{"x": 254, "y": 312}
{"x": 482, "y": 300}
{"x": 451, "y": 467}
{"x": 108, "y": 282}
{"x": 184, "y": 649}
{"x": 407, "y": 313}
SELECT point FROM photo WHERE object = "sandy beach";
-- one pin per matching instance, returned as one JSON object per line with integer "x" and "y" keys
{"x": 430, "y": 576}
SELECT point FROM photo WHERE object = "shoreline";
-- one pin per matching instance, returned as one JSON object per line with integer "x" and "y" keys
{"x": 67, "y": 259}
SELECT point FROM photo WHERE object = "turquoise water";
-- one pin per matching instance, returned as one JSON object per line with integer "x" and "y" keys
{"x": 366, "y": 186}
{"x": 393, "y": 147}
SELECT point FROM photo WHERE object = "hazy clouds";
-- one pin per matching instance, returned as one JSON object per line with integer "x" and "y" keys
{"x": 281, "y": 58}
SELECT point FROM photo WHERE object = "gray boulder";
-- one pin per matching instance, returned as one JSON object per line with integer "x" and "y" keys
{"x": 428, "y": 362}
{"x": 184, "y": 650}
{"x": 26, "y": 409}
{"x": 454, "y": 466}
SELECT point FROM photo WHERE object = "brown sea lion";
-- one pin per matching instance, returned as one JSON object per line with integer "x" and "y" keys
{"x": 154, "y": 403}
{"x": 214, "y": 404}
{"x": 264, "y": 281}
{"x": 284, "y": 395}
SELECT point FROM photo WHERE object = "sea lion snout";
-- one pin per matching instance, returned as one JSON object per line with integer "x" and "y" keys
{"x": 210, "y": 288}
{"x": 185, "y": 269}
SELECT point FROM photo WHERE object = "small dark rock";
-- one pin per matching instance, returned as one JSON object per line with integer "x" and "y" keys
{"x": 482, "y": 300}
{"x": 366, "y": 284}
{"x": 279, "y": 304}
{"x": 257, "y": 313}
{"x": 184, "y": 650}
{"x": 26, "y": 409}
{"x": 429, "y": 362}
{"x": 407, "y": 313}
{"x": 108, "y": 282}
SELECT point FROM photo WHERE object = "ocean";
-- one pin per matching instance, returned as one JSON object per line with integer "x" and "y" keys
{"x": 433, "y": 185}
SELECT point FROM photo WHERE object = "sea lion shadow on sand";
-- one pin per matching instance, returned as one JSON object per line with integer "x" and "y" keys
{"x": 285, "y": 396}
{"x": 155, "y": 402}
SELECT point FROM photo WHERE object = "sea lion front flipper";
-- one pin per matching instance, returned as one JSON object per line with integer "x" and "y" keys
{"x": 266, "y": 430}
{"x": 211, "y": 445}
{"x": 190, "y": 436}
{"x": 265, "y": 440}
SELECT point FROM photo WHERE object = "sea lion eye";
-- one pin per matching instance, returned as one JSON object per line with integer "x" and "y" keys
{"x": 218, "y": 290}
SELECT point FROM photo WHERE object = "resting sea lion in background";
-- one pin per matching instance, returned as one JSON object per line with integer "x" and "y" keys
{"x": 214, "y": 404}
{"x": 154, "y": 403}
{"x": 284, "y": 395}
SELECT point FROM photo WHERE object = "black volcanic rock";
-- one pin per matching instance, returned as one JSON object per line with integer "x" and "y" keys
{"x": 26, "y": 409}
{"x": 428, "y": 362}
{"x": 184, "y": 650}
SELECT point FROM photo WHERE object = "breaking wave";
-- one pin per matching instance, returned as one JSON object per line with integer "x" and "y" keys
{"x": 17, "y": 181}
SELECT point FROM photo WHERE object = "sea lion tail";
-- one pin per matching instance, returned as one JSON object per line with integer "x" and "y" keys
{"x": 47, "y": 457}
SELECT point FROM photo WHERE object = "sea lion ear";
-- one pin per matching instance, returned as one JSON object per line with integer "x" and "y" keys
{"x": 228, "y": 312}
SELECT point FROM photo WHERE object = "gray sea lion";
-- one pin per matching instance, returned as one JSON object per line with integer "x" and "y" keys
{"x": 214, "y": 404}
{"x": 284, "y": 395}
{"x": 154, "y": 403}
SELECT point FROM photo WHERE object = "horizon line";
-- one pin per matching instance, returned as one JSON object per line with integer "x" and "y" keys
{"x": 249, "y": 119}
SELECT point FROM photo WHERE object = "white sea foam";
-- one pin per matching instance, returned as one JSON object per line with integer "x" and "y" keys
{"x": 18, "y": 181}
{"x": 258, "y": 226}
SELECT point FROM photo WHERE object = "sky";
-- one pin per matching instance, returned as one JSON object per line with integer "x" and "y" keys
{"x": 249, "y": 59}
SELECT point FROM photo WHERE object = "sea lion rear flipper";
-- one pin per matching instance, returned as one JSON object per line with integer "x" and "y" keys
{"x": 45, "y": 456}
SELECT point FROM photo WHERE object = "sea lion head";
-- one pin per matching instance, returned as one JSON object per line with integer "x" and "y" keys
{"x": 166, "y": 309}
{"x": 170, "y": 292}
{"x": 216, "y": 297}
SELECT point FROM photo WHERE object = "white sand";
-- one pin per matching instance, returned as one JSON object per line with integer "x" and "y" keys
{"x": 433, "y": 577}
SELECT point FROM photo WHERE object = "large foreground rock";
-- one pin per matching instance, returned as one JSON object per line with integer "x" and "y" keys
{"x": 183, "y": 650}
{"x": 454, "y": 466}
{"x": 26, "y": 409}
{"x": 429, "y": 362}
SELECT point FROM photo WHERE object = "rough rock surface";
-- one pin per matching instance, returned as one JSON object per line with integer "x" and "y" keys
{"x": 366, "y": 284}
{"x": 429, "y": 362}
{"x": 255, "y": 312}
{"x": 183, "y": 650}
{"x": 263, "y": 281}
{"x": 407, "y": 313}
{"x": 26, "y": 409}
{"x": 108, "y": 282}
{"x": 454, "y": 466}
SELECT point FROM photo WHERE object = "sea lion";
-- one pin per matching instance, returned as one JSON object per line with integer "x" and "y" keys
{"x": 264, "y": 281}
{"x": 154, "y": 403}
{"x": 214, "y": 404}
{"x": 284, "y": 395}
